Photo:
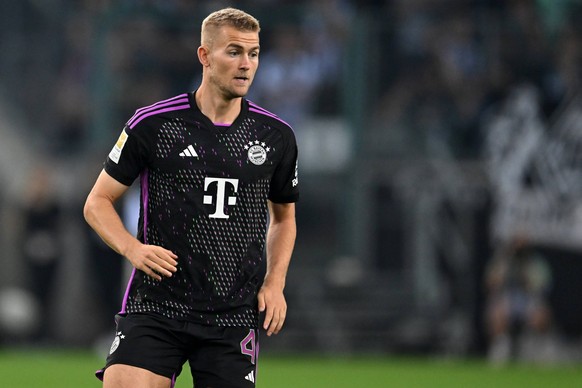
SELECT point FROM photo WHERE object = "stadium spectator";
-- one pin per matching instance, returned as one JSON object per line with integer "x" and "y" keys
{"x": 42, "y": 245}
{"x": 517, "y": 283}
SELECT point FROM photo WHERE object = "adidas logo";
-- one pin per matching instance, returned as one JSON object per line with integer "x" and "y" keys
{"x": 251, "y": 376}
{"x": 189, "y": 152}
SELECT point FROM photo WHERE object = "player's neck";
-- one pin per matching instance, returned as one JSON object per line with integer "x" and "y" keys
{"x": 216, "y": 108}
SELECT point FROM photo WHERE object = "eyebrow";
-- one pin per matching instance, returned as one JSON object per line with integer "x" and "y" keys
{"x": 238, "y": 46}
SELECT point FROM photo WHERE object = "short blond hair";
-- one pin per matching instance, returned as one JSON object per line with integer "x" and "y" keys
{"x": 232, "y": 17}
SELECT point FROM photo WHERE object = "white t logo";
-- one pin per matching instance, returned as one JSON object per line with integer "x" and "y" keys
{"x": 220, "y": 195}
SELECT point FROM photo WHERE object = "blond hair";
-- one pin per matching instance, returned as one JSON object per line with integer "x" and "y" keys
{"x": 232, "y": 17}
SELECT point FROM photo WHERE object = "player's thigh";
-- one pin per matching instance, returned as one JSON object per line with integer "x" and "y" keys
{"x": 148, "y": 342}
{"x": 227, "y": 358}
{"x": 127, "y": 376}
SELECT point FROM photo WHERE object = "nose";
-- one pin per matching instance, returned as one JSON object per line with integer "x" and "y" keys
{"x": 245, "y": 62}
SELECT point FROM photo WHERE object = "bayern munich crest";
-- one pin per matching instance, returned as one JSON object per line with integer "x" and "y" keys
{"x": 118, "y": 337}
{"x": 257, "y": 152}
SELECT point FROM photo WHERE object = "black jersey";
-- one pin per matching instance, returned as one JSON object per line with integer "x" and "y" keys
{"x": 204, "y": 192}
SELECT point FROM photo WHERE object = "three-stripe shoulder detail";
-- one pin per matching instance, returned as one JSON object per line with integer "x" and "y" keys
{"x": 175, "y": 103}
{"x": 257, "y": 109}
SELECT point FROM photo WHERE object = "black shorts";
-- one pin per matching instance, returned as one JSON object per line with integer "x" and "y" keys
{"x": 218, "y": 356}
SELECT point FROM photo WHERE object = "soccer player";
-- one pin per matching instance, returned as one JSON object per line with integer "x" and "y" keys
{"x": 215, "y": 170}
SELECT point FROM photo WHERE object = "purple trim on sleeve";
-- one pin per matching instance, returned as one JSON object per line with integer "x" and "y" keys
{"x": 257, "y": 109}
{"x": 170, "y": 101}
{"x": 143, "y": 116}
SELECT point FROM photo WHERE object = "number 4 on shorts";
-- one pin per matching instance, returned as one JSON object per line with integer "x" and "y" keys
{"x": 248, "y": 346}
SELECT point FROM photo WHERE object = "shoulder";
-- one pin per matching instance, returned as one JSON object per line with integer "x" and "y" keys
{"x": 270, "y": 118}
{"x": 176, "y": 103}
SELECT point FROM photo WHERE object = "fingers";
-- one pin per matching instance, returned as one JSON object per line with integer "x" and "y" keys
{"x": 275, "y": 309}
{"x": 150, "y": 272}
{"x": 274, "y": 320}
{"x": 163, "y": 262}
{"x": 262, "y": 304}
{"x": 155, "y": 261}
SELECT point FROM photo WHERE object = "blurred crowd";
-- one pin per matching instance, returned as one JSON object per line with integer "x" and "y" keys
{"x": 434, "y": 67}
{"x": 144, "y": 51}
{"x": 434, "y": 72}
{"x": 444, "y": 68}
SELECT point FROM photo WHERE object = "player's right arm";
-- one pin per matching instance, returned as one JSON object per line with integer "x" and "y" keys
{"x": 100, "y": 214}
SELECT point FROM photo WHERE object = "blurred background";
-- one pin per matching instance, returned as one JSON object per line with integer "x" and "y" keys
{"x": 440, "y": 167}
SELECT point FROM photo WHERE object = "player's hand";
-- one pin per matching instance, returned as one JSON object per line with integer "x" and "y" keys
{"x": 272, "y": 302}
{"x": 154, "y": 260}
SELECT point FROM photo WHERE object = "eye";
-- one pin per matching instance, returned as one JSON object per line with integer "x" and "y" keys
{"x": 233, "y": 53}
{"x": 254, "y": 54}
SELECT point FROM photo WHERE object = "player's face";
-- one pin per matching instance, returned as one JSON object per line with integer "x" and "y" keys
{"x": 233, "y": 61}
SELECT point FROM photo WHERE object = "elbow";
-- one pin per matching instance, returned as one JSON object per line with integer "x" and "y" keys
{"x": 88, "y": 210}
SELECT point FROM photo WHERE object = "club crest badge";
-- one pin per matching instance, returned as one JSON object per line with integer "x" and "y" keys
{"x": 118, "y": 337}
{"x": 257, "y": 152}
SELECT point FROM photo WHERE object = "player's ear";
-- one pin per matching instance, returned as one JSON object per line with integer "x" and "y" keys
{"x": 203, "y": 55}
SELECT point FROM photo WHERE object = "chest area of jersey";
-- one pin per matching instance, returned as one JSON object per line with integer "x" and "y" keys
{"x": 245, "y": 150}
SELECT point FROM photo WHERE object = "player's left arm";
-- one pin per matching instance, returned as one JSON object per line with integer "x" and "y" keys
{"x": 280, "y": 242}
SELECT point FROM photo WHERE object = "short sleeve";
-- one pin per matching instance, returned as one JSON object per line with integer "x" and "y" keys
{"x": 285, "y": 181}
{"x": 128, "y": 157}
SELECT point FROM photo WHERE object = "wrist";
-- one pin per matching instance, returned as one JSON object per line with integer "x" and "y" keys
{"x": 128, "y": 247}
{"x": 272, "y": 280}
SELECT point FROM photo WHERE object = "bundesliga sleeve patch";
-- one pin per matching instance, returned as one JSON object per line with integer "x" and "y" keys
{"x": 118, "y": 147}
